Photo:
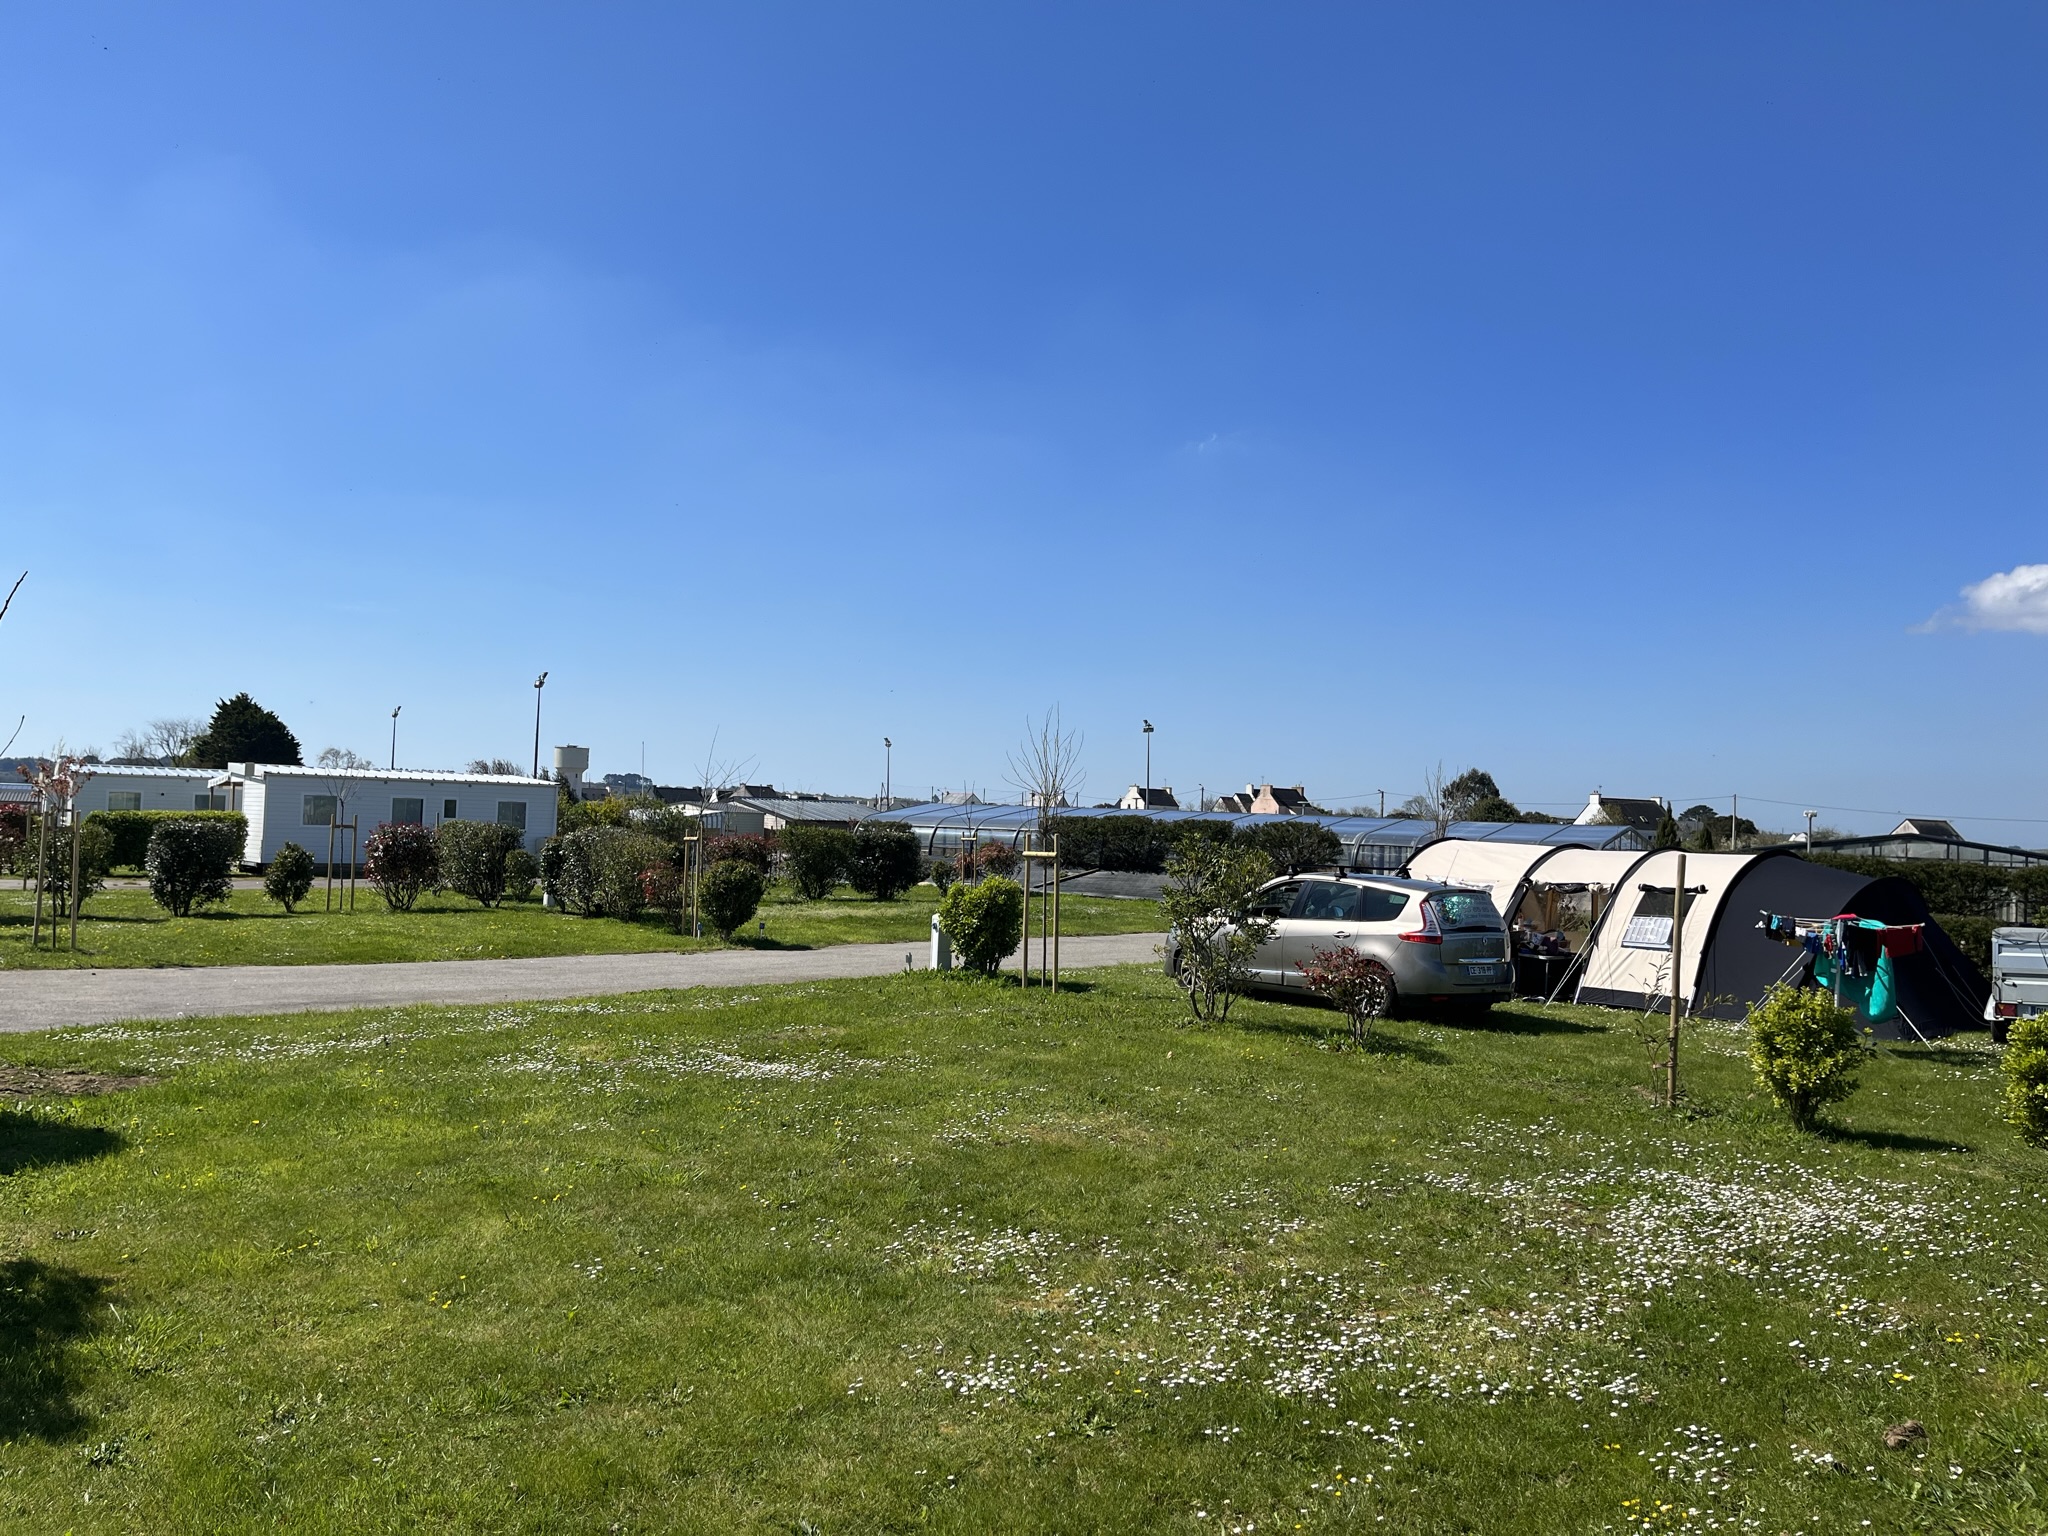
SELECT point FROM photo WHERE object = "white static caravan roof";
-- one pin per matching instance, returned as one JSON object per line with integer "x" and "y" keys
{"x": 1630, "y": 975}
{"x": 151, "y": 788}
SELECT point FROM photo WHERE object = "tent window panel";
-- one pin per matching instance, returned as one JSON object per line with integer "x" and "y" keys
{"x": 1650, "y": 928}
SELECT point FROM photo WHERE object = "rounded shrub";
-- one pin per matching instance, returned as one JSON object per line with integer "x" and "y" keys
{"x": 1805, "y": 1051}
{"x": 289, "y": 878}
{"x": 595, "y": 871}
{"x": 814, "y": 859}
{"x": 997, "y": 859}
{"x": 2026, "y": 1078}
{"x": 402, "y": 863}
{"x": 522, "y": 873}
{"x": 747, "y": 847}
{"x": 472, "y": 857}
{"x": 886, "y": 860}
{"x": 985, "y": 922}
{"x": 731, "y": 895}
{"x": 192, "y": 863}
{"x": 942, "y": 874}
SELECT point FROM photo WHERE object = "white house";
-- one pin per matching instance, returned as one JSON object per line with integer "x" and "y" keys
{"x": 295, "y": 805}
{"x": 118, "y": 787}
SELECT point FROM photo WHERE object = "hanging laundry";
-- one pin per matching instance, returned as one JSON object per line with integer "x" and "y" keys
{"x": 1903, "y": 939}
{"x": 1883, "y": 1001}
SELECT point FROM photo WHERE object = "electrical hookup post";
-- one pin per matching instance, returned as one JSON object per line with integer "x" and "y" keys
{"x": 1041, "y": 855}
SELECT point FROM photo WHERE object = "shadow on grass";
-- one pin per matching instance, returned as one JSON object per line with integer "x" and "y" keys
{"x": 1889, "y": 1141}
{"x": 45, "y": 1309}
{"x": 31, "y": 1141}
{"x": 1514, "y": 1021}
{"x": 1314, "y": 1019}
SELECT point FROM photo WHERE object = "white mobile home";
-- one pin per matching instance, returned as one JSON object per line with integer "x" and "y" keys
{"x": 118, "y": 787}
{"x": 295, "y": 805}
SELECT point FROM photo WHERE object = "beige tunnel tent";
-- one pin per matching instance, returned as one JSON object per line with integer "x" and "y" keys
{"x": 1621, "y": 919}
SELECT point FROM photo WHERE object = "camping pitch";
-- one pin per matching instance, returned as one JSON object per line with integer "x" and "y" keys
{"x": 1615, "y": 908}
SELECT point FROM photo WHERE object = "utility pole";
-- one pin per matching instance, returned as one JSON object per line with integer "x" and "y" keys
{"x": 1677, "y": 985}
{"x": 538, "y": 684}
{"x": 888, "y": 774}
{"x": 1734, "y": 823}
{"x": 1383, "y": 805}
{"x": 1148, "y": 765}
{"x": 1809, "y": 830}
{"x": 394, "y": 737}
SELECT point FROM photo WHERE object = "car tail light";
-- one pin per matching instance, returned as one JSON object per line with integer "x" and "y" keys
{"x": 2005, "y": 1010}
{"x": 1431, "y": 932}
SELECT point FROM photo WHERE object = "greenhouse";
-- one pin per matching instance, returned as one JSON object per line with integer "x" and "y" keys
{"x": 1375, "y": 844}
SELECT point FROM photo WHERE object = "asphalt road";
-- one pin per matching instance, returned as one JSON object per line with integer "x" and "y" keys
{"x": 52, "y": 999}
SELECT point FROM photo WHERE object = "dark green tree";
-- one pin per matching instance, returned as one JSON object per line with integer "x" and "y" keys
{"x": 1492, "y": 808}
{"x": 243, "y": 731}
{"x": 1469, "y": 790}
{"x": 1667, "y": 832}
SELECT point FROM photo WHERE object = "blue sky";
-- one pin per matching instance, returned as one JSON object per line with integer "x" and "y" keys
{"x": 1607, "y": 396}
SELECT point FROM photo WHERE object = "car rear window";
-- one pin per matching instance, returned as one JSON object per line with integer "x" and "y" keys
{"x": 1462, "y": 910}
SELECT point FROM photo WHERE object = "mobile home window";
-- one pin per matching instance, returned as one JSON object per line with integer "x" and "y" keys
{"x": 448, "y": 810}
{"x": 319, "y": 811}
{"x": 409, "y": 813}
{"x": 512, "y": 813}
{"x": 124, "y": 799}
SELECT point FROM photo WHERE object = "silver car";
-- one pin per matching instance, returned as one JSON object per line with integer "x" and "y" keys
{"x": 1442, "y": 945}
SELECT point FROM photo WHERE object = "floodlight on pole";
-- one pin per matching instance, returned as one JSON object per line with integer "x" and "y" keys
{"x": 1148, "y": 765}
{"x": 394, "y": 736}
{"x": 1809, "y": 827}
{"x": 888, "y": 777}
{"x": 538, "y": 684}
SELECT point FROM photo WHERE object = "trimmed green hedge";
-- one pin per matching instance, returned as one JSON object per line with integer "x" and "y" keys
{"x": 130, "y": 829}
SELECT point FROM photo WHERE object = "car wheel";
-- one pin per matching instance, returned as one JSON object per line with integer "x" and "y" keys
{"x": 1184, "y": 971}
{"x": 1380, "y": 1000}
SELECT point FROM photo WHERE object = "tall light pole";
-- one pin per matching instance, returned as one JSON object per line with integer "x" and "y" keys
{"x": 1809, "y": 829}
{"x": 888, "y": 780}
{"x": 1148, "y": 765}
{"x": 538, "y": 684}
{"x": 394, "y": 736}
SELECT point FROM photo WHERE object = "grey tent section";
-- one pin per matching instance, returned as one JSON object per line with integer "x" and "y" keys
{"x": 1939, "y": 990}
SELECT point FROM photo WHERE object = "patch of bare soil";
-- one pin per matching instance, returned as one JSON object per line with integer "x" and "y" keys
{"x": 62, "y": 1082}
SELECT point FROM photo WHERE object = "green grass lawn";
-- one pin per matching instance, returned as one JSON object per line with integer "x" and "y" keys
{"x": 928, "y": 1253}
{"x": 126, "y": 928}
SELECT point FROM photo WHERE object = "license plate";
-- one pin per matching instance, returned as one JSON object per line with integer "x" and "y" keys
{"x": 1481, "y": 972}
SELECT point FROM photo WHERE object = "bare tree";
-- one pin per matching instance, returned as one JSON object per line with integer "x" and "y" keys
{"x": 171, "y": 738}
{"x": 502, "y": 766}
{"x": 341, "y": 757}
{"x": 1433, "y": 804}
{"x": 1047, "y": 764}
{"x": 722, "y": 772}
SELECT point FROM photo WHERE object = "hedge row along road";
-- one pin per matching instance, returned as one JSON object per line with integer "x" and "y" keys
{"x": 51, "y": 999}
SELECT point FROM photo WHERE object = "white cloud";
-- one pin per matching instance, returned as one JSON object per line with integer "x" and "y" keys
{"x": 2016, "y": 599}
